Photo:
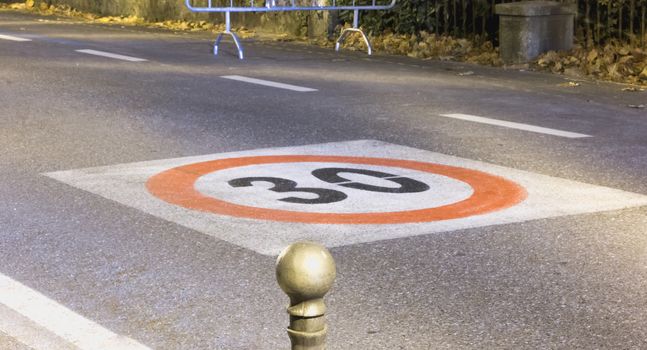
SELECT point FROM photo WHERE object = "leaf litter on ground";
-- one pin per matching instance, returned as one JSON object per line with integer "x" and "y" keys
{"x": 615, "y": 61}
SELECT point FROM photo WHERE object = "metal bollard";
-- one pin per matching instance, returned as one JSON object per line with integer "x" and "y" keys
{"x": 306, "y": 271}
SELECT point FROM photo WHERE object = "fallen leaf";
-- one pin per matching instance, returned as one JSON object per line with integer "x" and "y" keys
{"x": 633, "y": 89}
{"x": 643, "y": 74}
{"x": 570, "y": 84}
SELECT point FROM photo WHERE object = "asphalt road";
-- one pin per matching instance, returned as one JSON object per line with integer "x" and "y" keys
{"x": 571, "y": 281}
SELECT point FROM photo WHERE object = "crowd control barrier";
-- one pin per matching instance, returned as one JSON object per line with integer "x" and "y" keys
{"x": 229, "y": 6}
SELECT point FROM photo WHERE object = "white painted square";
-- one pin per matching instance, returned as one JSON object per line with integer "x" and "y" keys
{"x": 546, "y": 196}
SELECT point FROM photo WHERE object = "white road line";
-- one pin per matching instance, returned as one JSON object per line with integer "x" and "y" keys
{"x": 112, "y": 55}
{"x": 13, "y": 38}
{"x": 22, "y": 330}
{"x": 268, "y": 83}
{"x": 64, "y": 323}
{"x": 513, "y": 125}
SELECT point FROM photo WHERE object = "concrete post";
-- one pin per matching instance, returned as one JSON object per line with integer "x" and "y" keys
{"x": 530, "y": 28}
{"x": 306, "y": 271}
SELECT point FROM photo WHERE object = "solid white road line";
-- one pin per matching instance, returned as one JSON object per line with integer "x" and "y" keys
{"x": 112, "y": 55}
{"x": 55, "y": 318}
{"x": 13, "y": 38}
{"x": 513, "y": 125}
{"x": 268, "y": 83}
{"x": 22, "y": 330}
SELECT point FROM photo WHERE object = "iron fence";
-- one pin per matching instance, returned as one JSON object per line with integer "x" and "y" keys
{"x": 597, "y": 22}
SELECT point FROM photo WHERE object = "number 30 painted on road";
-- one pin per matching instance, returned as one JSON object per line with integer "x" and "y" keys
{"x": 331, "y": 175}
{"x": 490, "y": 192}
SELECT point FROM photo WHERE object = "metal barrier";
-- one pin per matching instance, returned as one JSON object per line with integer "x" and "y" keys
{"x": 291, "y": 5}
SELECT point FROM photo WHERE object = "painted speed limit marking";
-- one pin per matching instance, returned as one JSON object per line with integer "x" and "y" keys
{"x": 339, "y": 193}
{"x": 489, "y": 193}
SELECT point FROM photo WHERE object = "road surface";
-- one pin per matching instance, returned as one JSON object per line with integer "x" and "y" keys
{"x": 147, "y": 187}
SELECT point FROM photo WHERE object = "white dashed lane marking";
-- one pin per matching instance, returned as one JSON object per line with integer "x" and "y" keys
{"x": 268, "y": 83}
{"x": 52, "y": 317}
{"x": 13, "y": 38}
{"x": 112, "y": 55}
{"x": 513, "y": 125}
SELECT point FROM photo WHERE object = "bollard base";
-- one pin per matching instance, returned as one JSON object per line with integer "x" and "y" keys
{"x": 308, "y": 340}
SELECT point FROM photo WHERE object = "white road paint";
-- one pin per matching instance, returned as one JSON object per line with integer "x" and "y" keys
{"x": 547, "y": 196}
{"x": 21, "y": 329}
{"x": 513, "y": 125}
{"x": 268, "y": 83}
{"x": 39, "y": 315}
{"x": 111, "y": 55}
{"x": 13, "y": 38}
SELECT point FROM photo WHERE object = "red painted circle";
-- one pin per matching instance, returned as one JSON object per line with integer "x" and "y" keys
{"x": 491, "y": 192}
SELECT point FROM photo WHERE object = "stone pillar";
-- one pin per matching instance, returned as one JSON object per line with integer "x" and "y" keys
{"x": 319, "y": 21}
{"x": 318, "y": 24}
{"x": 530, "y": 28}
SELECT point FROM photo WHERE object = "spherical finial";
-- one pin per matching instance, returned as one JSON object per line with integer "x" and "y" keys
{"x": 305, "y": 271}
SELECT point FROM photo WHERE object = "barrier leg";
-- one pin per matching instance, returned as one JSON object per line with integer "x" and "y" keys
{"x": 346, "y": 32}
{"x": 236, "y": 41}
{"x": 217, "y": 43}
{"x": 228, "y": 31}
{"x": 355, "y": 29}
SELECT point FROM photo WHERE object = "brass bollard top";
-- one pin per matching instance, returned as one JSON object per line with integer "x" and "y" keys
{"x": 305, "y": 271}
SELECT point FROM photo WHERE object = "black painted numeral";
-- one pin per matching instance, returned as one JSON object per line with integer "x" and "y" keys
{"x": 324, "y": 196}
{"x": 407, "y": 185}
{"x": 331, "y": 175}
